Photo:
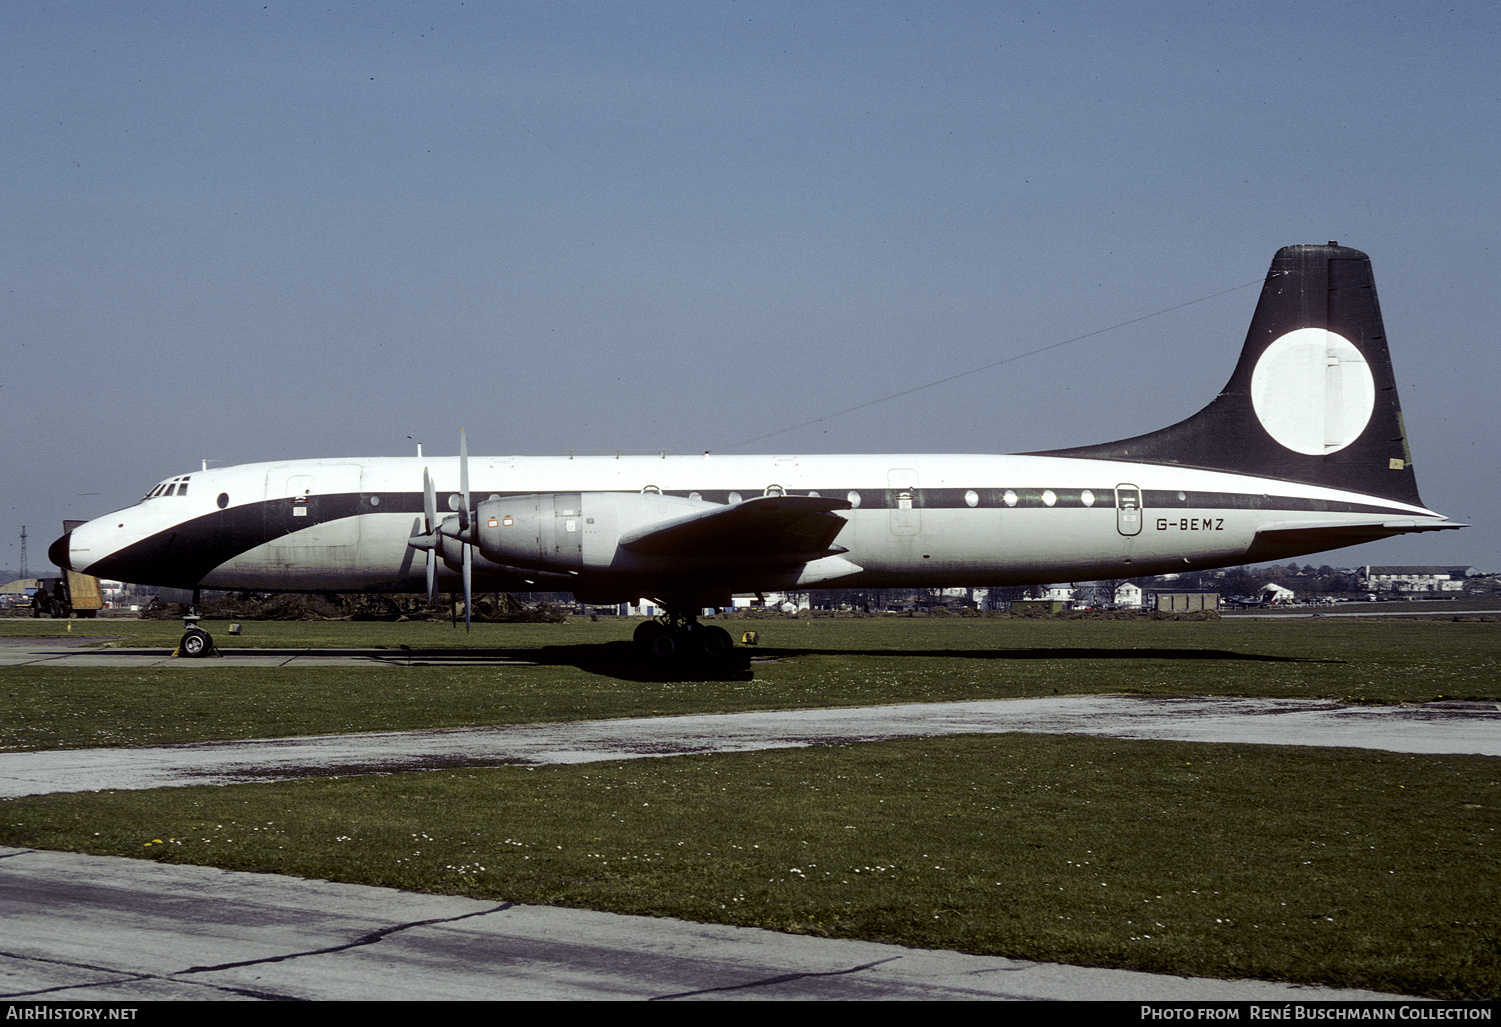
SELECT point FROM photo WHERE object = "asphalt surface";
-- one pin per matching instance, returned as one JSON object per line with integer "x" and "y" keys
{"x": 85, "y": 928}
{"x": 96, "y": 929}
{"x": 93, "y": 651}
{"x": 1472, "y": 728}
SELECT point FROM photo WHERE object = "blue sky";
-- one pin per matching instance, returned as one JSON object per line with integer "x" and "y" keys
{"x": 257, "y": 231}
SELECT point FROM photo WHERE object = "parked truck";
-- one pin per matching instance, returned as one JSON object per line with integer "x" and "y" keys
{"x": 71, "y": 594}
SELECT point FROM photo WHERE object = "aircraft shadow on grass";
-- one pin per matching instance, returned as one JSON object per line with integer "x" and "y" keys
{"x": 625, "y": 660}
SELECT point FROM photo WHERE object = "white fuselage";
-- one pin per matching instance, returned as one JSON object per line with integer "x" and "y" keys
{"x": 915, "y": 520}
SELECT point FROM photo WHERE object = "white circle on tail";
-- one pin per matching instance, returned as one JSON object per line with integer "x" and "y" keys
{"x": 1313, "y": 391}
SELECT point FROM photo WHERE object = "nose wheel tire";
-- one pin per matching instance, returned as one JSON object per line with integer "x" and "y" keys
{"x": 195, "y": 643}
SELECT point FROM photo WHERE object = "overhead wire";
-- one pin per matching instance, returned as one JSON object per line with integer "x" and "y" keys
{"x": 987, "y": 367}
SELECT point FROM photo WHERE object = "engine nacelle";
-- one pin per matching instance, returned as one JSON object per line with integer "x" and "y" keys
{"x": 571, "y": 531}
{"x": 540, "y": 531}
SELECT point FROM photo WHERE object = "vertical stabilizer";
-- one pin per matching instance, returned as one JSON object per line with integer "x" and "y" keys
{"x": 1313, "y": 398}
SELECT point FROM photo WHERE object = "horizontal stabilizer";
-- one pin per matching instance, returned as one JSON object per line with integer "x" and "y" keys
{"x": 1295, "y": 539}
{"x": 791, "y": 528}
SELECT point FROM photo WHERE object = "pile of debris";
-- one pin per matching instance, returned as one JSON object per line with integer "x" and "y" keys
{"x": 504, "y": 608}
{"x": 495, "y": 608}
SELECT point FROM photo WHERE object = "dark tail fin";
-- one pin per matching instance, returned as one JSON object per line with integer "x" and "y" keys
{"x": 1313, "y": 398}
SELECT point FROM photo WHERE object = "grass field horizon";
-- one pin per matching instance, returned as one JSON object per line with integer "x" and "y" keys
{"x": 1339, "y": 867}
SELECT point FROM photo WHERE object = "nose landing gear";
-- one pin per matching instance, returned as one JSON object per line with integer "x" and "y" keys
{"x": 195, "y": 642}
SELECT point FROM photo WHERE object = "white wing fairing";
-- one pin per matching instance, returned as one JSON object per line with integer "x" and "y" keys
{"x": 1303, "y": 451}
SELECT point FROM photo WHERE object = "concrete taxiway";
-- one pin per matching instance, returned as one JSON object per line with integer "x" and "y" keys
{"x": 87, "y": 651}
{"x": 1453, "y": 728}
{"x": 96, "y": 929}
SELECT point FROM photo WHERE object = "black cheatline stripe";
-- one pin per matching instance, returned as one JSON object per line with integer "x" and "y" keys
{"x": 184, "y": 554}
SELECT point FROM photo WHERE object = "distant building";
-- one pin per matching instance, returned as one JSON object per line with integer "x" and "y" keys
{"x": 1185, "y": 602}
{"x": 1024, "y": 606}
{"x": 1272, "y": 592}
{"x": 1416, "y": 579}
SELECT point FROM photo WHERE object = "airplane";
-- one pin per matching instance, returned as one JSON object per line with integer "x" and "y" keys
{"x": 1304, "y": 450}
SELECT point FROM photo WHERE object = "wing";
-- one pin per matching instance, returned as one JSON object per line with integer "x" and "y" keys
{"x": 782, "y": 529}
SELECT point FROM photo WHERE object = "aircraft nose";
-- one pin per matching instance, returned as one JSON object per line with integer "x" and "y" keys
{"x": 58, "y": 552}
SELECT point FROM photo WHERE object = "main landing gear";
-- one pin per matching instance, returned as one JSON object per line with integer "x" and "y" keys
{"x": 678, "y": 635}
{"x": 195, "y": 641}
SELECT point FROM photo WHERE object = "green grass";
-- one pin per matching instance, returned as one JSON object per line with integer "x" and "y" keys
{"x": 1329, "y": 866}
{"x": 1335, "y": 867}
{"x": 586, "y": 671}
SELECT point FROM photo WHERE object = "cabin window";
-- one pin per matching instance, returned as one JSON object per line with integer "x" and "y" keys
{"x": 971, "y": 498}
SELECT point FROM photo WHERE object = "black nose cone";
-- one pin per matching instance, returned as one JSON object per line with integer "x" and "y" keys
{"x": 58, "y": 552}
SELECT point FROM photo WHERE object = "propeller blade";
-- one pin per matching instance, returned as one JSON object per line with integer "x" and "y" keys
{"x": 429, "y": 503}
{"x": 432, "y": 579}
{"x": 430, "y": 520}
{"x": 464, "y": 480}
{"x": 464, "y": 519}
{"x": 468, "y": 583}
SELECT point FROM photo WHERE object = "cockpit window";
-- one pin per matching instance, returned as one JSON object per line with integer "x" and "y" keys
{"x": 176, "y": 486}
